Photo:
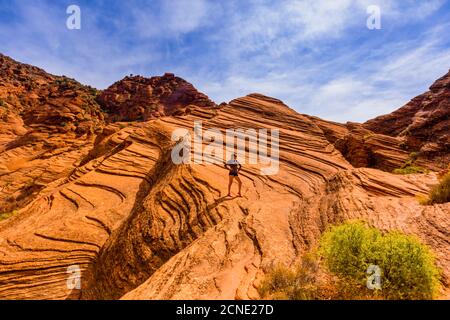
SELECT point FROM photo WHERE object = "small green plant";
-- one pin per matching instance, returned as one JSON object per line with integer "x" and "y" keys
{"x": 411, "y": 169}
{"x": 92, "y": 91}
{"x": 413, "y": 156}
{"x": 408, "y": 269}
{"x": 440, "y": 193}
{"x": 2, "y": 103}
{"x": 6, "y": 215}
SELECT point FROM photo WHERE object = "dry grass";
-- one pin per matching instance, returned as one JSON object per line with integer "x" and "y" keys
{"x": 440, "y": 193}
{"x": 299, "y": 283}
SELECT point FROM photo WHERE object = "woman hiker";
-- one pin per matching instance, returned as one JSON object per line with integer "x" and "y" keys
{"x": 234, "y": 167}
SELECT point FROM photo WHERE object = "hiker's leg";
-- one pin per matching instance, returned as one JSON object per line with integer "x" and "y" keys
{"x": 230, "y": 182}
{"x": 240, "y": 185}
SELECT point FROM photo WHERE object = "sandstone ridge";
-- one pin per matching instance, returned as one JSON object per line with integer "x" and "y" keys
{"x": 110, "y": 201}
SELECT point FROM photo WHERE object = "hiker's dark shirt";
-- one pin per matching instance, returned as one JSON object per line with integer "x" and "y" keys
{"x": 234, "y": 166}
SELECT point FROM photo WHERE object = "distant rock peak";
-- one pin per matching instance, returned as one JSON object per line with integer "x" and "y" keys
{"x": 424, "y": 122}
{"x": 137, "y": 98}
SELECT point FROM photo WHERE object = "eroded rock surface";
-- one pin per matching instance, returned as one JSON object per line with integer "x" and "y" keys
{"x": 111, "y": 202}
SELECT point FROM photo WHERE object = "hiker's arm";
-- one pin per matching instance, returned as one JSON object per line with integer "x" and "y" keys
{"x": 239, "y": 167}
{"x": 226, "y": 166}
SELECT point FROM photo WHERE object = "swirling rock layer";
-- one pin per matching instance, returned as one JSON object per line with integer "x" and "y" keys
{"x": 112, "y": 203}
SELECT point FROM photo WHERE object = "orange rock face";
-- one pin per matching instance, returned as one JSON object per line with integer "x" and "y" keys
{"x": 46, "y": 125}
{"x": 366, "y": 149}
{"x": 111, "y": 202}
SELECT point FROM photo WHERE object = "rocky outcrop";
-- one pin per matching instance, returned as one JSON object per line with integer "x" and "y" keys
{"x": 46, "y": 125}
{"x": 423, "y": 123}
{"x": 364, "y": 148}
{"x": 49, "y": 103}
{"x": 136, "y": 98}
{"x": 419, "y": 130}
{"x": 111, "y": 203}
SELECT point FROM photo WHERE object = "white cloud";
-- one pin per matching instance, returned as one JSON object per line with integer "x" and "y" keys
{"x": 280, "y": 27}
{"x": 410, "y": 10}
{"x": 185, "y": 16}
{"x": 320, "y": 18}
{"x": 381, "y": 84}
{"x": 174, "y": 18}
{"x": 262, "y": 45}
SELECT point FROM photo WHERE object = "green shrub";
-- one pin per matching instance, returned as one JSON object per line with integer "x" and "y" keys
{"x": 408, "y": 267}
{"x": 348, "y": 249}
{"x": 2, "y": 103}
{"x": 410, "y": 169}
{"x": 6, "y": 215}
{"x": 409, "y": 166}
{"x": 441, "y": 192}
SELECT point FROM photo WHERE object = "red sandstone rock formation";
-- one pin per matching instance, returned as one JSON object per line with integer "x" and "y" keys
{"x": 423, "y": 123}
{"x": 111, "y": 201}
{"x": 365, "y": 149}
{"x": 46, "y": 125}
{"x": 136, "y": 98}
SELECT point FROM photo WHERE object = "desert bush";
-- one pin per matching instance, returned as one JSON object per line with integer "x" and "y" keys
{"x": 278, "y": 282}
{"x": 2, "y": 103}
{"x": 349, "y": 249}
{"x": 410, "y": 169}
{"x": 6, "y": 215}
{"x": 300, "y": 283}
{"x": 408, "y": 267}
{"x": 441, "y": 192}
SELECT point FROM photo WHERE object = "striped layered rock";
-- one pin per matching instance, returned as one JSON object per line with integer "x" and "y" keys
{"x": 112, "y": 204}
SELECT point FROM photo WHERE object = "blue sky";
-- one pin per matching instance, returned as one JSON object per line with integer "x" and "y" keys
{"x": 318, "y": 56}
